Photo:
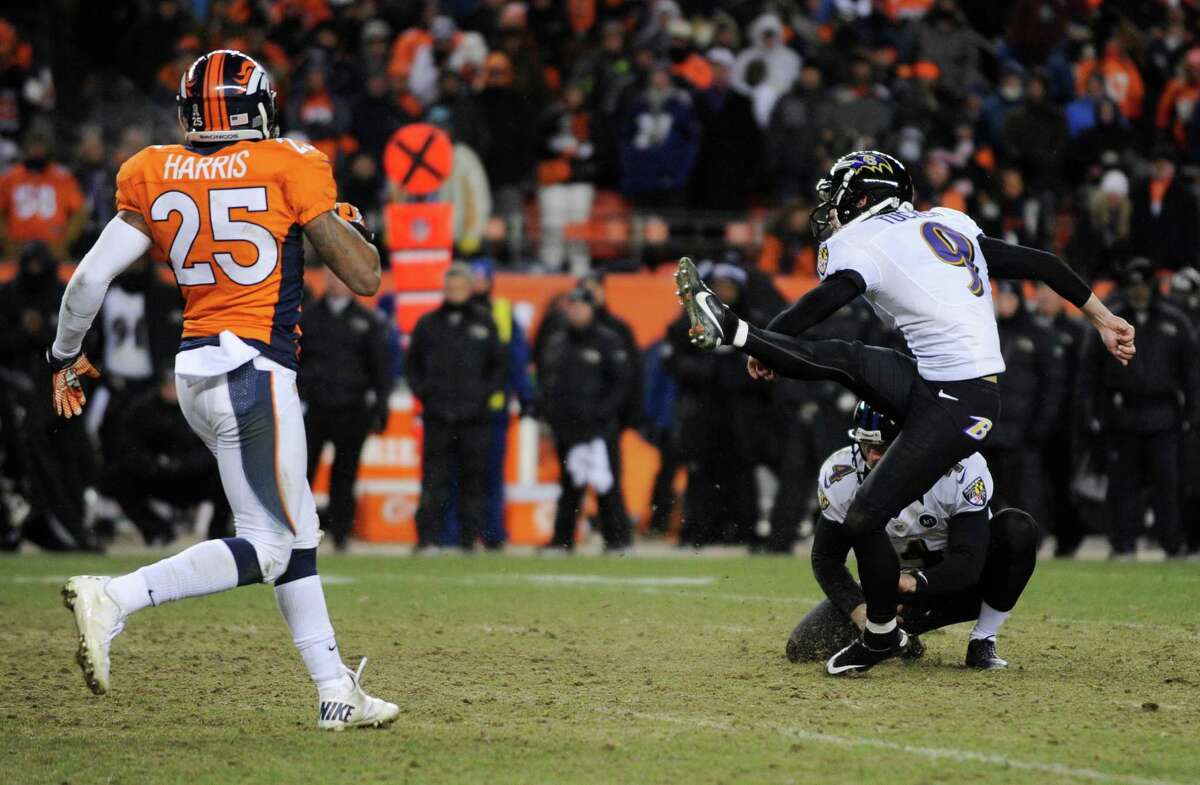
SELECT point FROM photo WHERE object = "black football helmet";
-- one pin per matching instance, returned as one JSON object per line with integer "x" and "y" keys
{"x": 879, "y": 177}
{"x": 868, "y": 425}
{"x": 226, "y": 96}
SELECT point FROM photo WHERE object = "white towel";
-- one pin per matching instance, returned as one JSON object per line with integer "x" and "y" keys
{"x": 587, "y": 462}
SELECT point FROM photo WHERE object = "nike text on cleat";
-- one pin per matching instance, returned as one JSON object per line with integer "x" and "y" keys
{"x": 859, "y": 657}
{"x": 981, "y": 654}
{"x": 354, "y": 708}
{"x": 98, "y": 620}
{"x": 942, "y": 394}
{"x": 706, "y": 313}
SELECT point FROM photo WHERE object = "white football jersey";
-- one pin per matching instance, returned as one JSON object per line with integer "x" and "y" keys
{"x": 921, "y": 527}
{"x": 927, "y": 276}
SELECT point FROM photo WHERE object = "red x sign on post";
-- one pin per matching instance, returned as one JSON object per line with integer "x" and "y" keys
{"x": 419, "y": 158}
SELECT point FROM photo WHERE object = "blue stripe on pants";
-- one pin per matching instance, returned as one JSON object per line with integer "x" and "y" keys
{"x": 254, "y": 406}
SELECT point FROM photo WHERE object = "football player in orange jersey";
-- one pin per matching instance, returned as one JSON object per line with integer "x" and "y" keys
{"x": 232, "y": 208}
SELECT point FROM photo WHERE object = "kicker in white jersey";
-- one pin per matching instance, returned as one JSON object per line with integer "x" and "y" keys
{"x": 926, "y": 276}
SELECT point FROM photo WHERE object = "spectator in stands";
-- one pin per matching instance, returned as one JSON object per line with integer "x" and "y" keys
{"x": 159, "y": 458}
{"x": 1034, "y": 135}
{"x": 455, "y": 364}
{"x": 1142, "y": 409}
{"x": 1101, "y": 242}
{"x": 25, "y": 89}
{"x": 457, "y": 111}
{"x": 96, "y": 183}
{"x": 660, "y": 139}
{"x": 317, "y": 112}
{"x": 583, "y": 381}
{"x": 767, "y": 46}
{"x": 1122, "y": 79}
{"x": 375, "y": 116}
{"x": 799, "y": 114}
{"x": 730, "y": 157}
{"x": 688, "y": 65}
{"x": 1108, "y": 142}
{"x": 788, "y": 244}
{"x": 1180, "y": 100}
{"x": 862, "y": 106}
{"x": 1006, "y": 97}
{"x": 40, "y": 201}
{"x": 448, "y": 49}
{"x": 944, "y": 38}
{"x": 1165, "y": 224}
{"x": 566, "y": 172}
{"x": 1081, "y": 113}
{"x": 508, "y": 115}
{"x": 345, "y": 383}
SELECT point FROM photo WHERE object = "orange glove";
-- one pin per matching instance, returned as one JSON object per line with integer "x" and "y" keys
{"x": 68, "y": 393}
{"x": 353, "y": 216}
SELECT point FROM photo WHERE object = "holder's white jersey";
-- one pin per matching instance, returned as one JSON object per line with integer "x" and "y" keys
{"x": 923, "y": 526}
{"x": 927, "y": 276}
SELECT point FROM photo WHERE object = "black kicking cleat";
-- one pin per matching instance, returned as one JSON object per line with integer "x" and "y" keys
{"x": 859, "y": 657}
{"x": 712, "y": 323}
{"x": 981, "y": 654}
{"x": 915, "y": 650}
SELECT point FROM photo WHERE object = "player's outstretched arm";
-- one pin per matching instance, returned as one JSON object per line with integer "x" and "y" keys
{"x": 345, "y": 251}
{"x": 124, "y": 240}
{"x": 831, "y": 545}
{"x": 1006, "y": 260}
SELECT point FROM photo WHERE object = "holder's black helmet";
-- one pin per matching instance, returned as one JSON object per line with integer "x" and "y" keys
{"x": 868, "y": 425}
{"x": 878, "y": 176}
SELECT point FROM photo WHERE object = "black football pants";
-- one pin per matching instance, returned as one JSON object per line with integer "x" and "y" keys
{"x": 941, "y": 423}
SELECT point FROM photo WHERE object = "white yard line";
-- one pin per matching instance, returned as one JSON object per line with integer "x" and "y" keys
{"x": 933, "y": 753}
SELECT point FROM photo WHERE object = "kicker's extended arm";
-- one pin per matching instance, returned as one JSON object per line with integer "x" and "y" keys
{"x": 1008, "y": 261}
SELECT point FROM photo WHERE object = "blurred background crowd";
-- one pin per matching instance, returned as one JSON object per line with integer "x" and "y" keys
{"x": 603, "y": 136}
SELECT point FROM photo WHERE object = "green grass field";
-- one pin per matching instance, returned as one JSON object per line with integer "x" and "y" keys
{"x": 519, "y": 670}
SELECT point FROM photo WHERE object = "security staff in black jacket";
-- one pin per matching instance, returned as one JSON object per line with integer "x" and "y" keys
{"x": 345, "y": 381}
{"x": 1143, "y": 409}
{"x": 455, "y": 363}
{"x": 1065, "y": 443}
{"x": 1032, "y": 388}
{"x": 583, "y": 378}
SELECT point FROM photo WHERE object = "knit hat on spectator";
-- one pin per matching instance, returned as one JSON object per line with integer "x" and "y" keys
{"x": 581, "y": 294}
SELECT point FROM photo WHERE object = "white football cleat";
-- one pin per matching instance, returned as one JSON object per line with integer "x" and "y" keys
{"x": 99, "y": 620}
{"x": 354, "y": 708}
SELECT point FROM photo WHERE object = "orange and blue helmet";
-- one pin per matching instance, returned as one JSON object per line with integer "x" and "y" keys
{"x": 226, "y": 96}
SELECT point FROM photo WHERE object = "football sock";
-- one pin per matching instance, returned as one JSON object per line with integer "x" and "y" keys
{"x": 740, "y": 333}
{"x": 302, "y": 603}
{"x": 989, "y": 622}
{"x": 205, "y": 568}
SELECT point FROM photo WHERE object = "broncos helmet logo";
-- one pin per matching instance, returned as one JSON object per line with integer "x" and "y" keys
{"x": 243, "y": 76}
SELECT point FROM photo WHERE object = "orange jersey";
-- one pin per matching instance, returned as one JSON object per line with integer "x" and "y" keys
{"x": 38, "y": 205}
{"x": 229, "y": 218}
